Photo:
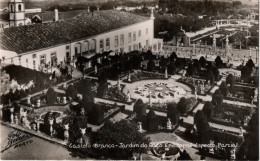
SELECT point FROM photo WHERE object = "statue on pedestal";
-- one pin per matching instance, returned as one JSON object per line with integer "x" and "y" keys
{"x": 169, "y": 124}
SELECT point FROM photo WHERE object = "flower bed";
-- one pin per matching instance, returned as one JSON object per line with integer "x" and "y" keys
{"x": 28, "y": 81}
{"x": 231, "y": 115}
{"x": 189, "y": 82}
{"x": 241, "y": 93}
{"x": 143, "y": 75}
{"x": 115, "y": 94}
{"x": 192, "y": 103}
{"x": 110, "y": 110}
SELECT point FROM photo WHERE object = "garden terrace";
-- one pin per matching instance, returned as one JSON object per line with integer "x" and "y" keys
{"x": 232, "y": 115}
{"x": 115, "y": 94}
{"x": 197, "y": 84}
{"x": 138, "y": 75}
{"x": 241, "y": 93}
{"x": 224, "y": 138}
{"x": 115, "y": 67}
{"x": 57, "y": 101}
{"x": 77, "y": 84}
{"x": 188, "y": 107}
{"x": 28, "y": 82}
{"x": 104, "y": 112}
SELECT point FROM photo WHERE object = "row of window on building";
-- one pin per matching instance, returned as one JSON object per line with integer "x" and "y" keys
{"x": 122, "y": 40}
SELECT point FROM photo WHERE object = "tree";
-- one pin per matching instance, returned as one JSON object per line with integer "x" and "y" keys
{"x": 119, "y": 133}
{"x": 152, "y": 121}
{"x": 51, "y": 96}
{"x": 216, "y": 73}
{"x": 172, "y": 68}
{"x": 217, "y": 98}
{"x": 250, "y": 64}
{"x": 246, "y": 74}
{"x": 223, "y": 89}
{"x": 102, "y": 90}
{"x": 163, "y": 63}
{"x": 139, "y": 108}
{"x": 202, "y": 62}
{"x": 190, "y": 70}
{"x": 208, "y": 110}
{"x": 203, "y": 128}
{"x": 196, "y": 64}
{"x": 218, "y": 61}
{"x": 150, "y": 65}
{"x": 149, "y": 55}
{"x": 136, "y": 61}
{"x": 88, "y": 95}
{"x": 210, "y": 77}
{"x": 173, "y": 113}
{"x": 102, "y": 78}
{"x": 96, "y": 115}
{"x": 230, "y": 80}
{"x": 71, "y": 92}
{"x": 182, "y": 105}
{"x": 173, "y": 57}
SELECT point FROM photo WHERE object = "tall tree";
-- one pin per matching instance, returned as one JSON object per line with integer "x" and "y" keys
{"x": 71, "y": 92}
{"x": 230, "y": 80}
{"x": 173, "y": 113}
{"x": 150, "y": 65}
{"x": 119, "y": 133}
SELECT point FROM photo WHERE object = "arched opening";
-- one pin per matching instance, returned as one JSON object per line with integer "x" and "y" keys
{"x": 77, "y": 48}
{"x": 12, "y": 8}
{"x": 85, "y": 47}
{"x": 92, "y": 46}
{"x": 19, "y": 7}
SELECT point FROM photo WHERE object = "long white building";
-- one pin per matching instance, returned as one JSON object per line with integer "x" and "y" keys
{"x": 86, "y": 35}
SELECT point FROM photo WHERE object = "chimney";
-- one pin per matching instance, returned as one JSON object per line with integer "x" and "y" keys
{"x": 56, "y": 12}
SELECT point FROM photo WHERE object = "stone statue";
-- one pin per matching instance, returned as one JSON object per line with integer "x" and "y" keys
{"x": 169, "y": 124}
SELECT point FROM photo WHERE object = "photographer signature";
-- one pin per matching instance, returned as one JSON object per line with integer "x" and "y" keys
{"x": 17, "y": 139}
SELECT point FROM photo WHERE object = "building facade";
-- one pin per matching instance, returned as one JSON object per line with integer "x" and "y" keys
{"x": 31, "y": 52}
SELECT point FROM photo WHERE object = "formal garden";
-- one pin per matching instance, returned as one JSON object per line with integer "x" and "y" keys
{"x": 232, "y": 115}
{"x": 23, "y": 81}
{"x": 144, "y": 75}
{"x": 200, "y": 86}
{"x": 81, "y": 111}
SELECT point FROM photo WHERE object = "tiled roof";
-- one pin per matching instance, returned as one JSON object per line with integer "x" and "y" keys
{"x": 33, "y": 37}
{"x": 49, "y": 16}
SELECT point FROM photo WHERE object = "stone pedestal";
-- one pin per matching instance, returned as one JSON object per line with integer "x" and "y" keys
{"x": 1, "y": 112}
{"x": 129, "y": 78}
{"x": 83, "y": 132}
{"x": 211, "y": 149}
{"x": 64, "y": 85}
{"x": 66, "y": 132}
{"x": 128, "y": 97}
{"x": 51, "y": 128}
{"x": 166, "y": 73}
{"x": 140, "y": 129}
{"x": 64, "y": 100}
{"x": 38, "y": 126}
{"x": 29, "y": 100}
{"x": 169, "y": 124}
{"x": 12, "y": 115}
{"x": 38, "y": 104}
{"x": 16, "y": 120}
